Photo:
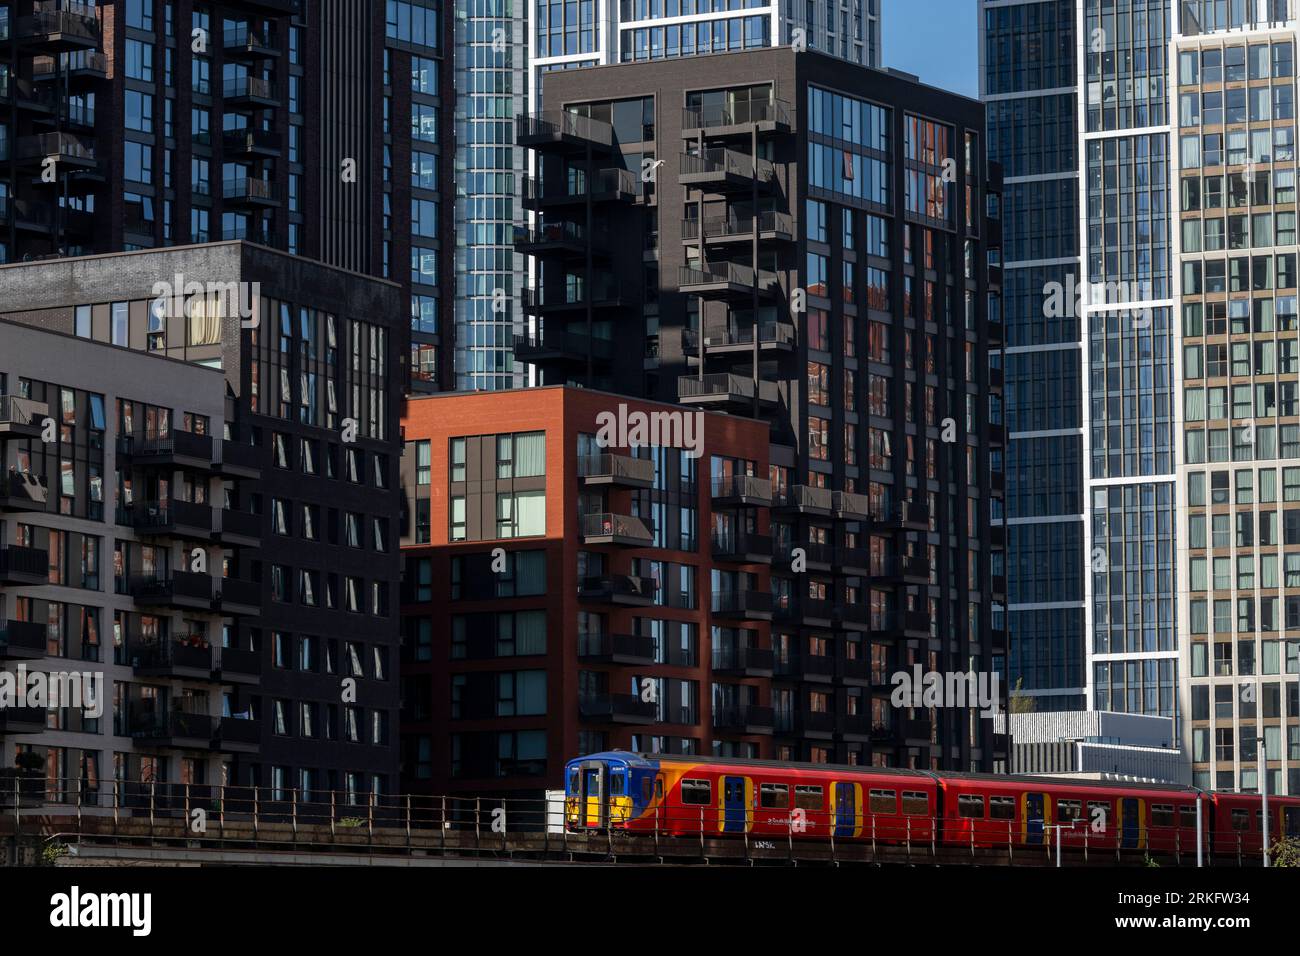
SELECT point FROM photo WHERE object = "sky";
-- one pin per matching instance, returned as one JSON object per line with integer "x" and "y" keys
{"x": 938, "y": 40}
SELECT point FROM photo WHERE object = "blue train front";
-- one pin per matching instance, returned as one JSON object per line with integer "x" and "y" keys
{"x": 608, "y": 789}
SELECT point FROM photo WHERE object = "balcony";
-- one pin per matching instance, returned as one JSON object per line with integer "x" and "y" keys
{"x": 617, "y": 471}
{"x": 900, "y": 569}
{"x": 995, "y": 379}
{"x": 741, "y": 491}
{"x": 238, "y": 529}
{"x": 250, "y": 143}
{"x": 817, "y": 668}
{"x": 172, "y": 519}
{"x": 23, "y": 491}
{"x": 177, "y": 450}
{"x": 997, "y": 483}
{"x": 855, "y": 671}
{"x": 243, "y": 42}
{"x": 22, "y": 720}
{"x": 29, "y": 96}
{"x": 725, "y": 391}
{"x": 562, "y": 346}
{"x": 998, "y": 585}
{"x": 719, "y": 230}
{"x": 853, "y": 560}
{"x": 624, "y": 589}
{"x": 617, "y": 709}
{"x": 742, "y": 547}
{"x": 806, "y": 500}
{"x": 741, "y": 339}
{"x": 818, "y": 724}
{"x": 180, "y": 590}
{"x": 24, "y": 567}
{"x": 238, "y": 735}
{"x": 236, "y": 665}
{"x": 816, "y": 556}
{"x": 850, "y": 506}
{"x": 726, "y": 280}
{"x": 736, "y": 119}
{"x": 182, "y": 658}
{"x": 32, "y": 216}
{"x": 22, "y": 640}
{"x": 906, "y": 515}
{"x": 79, "y": 66}
{"x": 65, "y": 149}
{"x": 570, "y": 239}
{"x": 73, "y": 28}
{"x": 742, "y": 661}
{"x": 606, "y": 185}
{"x": 21, "y": 417}
{"x": 742, "y": 604}
{"x": 247, "y": 191}
{"x": 744, "y": 719}
{"x": 915, "y": 730}
{"x": 238, "y": 598}
{"x": 997, "y": 536}
{"x": 608, "y": 528}
{"x": 995, "y": 332}
{"x": 250, "y": 91}
{"x": 239, "y": 461}
{"x": 616, "y": 649}
{"x": 563, "y": 130}
{"x": 724, "y": 170}
{"x": 602, "y": 292}
{"x": 175, "y": 729}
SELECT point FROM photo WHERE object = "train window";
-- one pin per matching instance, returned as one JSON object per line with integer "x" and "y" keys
{"x": 1002, "y": 808}
{"x": 884, "y": 801}
{"x": 916, "y": 803}
{"x": 616, "y": 782}
{"x": 971, "y": 805}
{"x": 1187, "y": 817}
{"x": 774, "y": 796}
{"x": 808, "y": 798}
{"x": 645, "y": 789}
{"x": 1291, "y": 815}
{"x": 1241, "y": 819}
{"x": 659, "y": 787}
{"x": 697, "y": 792}
{"x": 1067, "y": 810}
{"x": 1099, "y": 813}
{"x": 573, "y": 780}
{"x": 1162, "y": 815}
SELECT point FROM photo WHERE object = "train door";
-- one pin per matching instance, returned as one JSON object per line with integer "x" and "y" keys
{"x": 1130, "y": 822}
{"x": 846, "y": 809}
{"x": 593, "y": 796}
{"x": 1291, "y": 821}
{"x": 1034, "y": 809}
{"x": 735, "y": 815}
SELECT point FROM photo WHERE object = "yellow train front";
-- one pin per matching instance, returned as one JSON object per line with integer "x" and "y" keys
{"x": 607, "y": 790}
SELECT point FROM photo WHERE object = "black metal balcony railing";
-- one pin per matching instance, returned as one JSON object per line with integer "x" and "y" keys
{"x": 238, "y": 524}
{"x": 538, "y": 344}
{"x": 742, "y": 545}
{"x": 173, "y": 726}
{"x": 249, "y": 87}
{"x": 556, "y": 125}
{"x": 767, "y": 334}
{"x": 617, "y": 469}
{"x": 246, "y": 187}
{"x": 66, "y": 147}
{"x": 242, "y": 36}
{"x": 240, "y": 459}
{"x": 250, "y": 141}
{"x": 741, "y": 601}
{"x": 724, "y": 386}
{"x": 847, "y": 504}
{"x": 19, "y": 564}
{"x": 604, "y": 183}
{"x": 619, "y": 529}
{"x": 73, "y": 23}
{"x": 23, "y": 415}
{"x": 237, "y": 660}
{"x": 86, "y": 63}
{"x": 735, "y": 114}
{"x": 690, "y": 278}
{"x": 602, "y": 289}
{"x": 806, "y": 498}
{"x": 618, "y": 648}
{"x": 169, "y": 656}
{"x": 725, "y": 162}
{"x": 781, "y": 224}
{"x": 744, "y": 718}
{"x": 562, "y": 233}
{"x": 618, "y": 586}
{"x": 617, "y": 707}
{"x": 188, "y": 587}
{"x": 22, "y": 639}
{"x": 167, "y": 516}
{"x": 746, "y": 487}
{"x": 728, "y": 659}
{"x": 234, "y": 592}
{"x": 239, "y": 730}
{"x": 167, "y": 449}
{"x": 23, "y": 491}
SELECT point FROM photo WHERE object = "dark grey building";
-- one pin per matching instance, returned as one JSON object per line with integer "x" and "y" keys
{"x": 816, "y": 244}
{"x": 308, "y": 401}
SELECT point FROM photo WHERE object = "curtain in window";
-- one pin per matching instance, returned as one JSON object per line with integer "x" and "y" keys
{"x": 530, "y": 632}
{"x": 530, "y": 513}
{"x": 530, "y": 572}
{"x": 530, "y": 455}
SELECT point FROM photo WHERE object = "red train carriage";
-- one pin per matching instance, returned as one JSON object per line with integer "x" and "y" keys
{"x": 677, "y": 795}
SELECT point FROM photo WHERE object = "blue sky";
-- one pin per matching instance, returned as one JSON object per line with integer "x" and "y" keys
{"x": 938, "y": 40}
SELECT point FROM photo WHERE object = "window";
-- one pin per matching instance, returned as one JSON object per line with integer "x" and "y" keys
{"x": 773, "y": 796}
{"x": 883, "y": 801}
{"x": 808, "y": 798}
{"x": 697, "y": 792}
{"x": 1002, "y": 808}
{"x": 971, "y": 805}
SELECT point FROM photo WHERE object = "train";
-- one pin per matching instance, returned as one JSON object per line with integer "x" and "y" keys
{"x": 670, "y": 795}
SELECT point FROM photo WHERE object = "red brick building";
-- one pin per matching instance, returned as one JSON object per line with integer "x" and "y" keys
{"x": 566, "y": 593}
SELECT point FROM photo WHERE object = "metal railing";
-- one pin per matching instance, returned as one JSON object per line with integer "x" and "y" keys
{"x": 735, "y": 114}
{"x": 554, "y": 124}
